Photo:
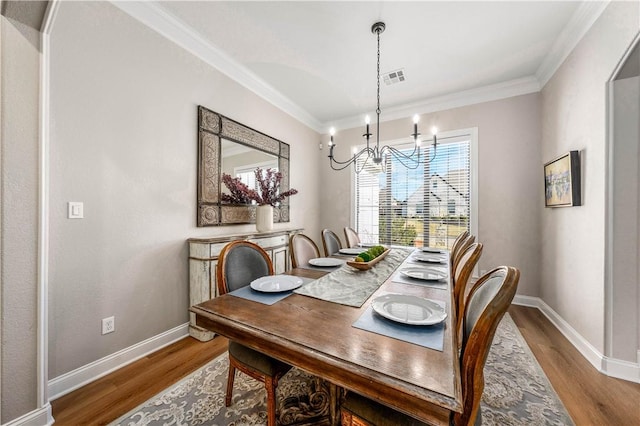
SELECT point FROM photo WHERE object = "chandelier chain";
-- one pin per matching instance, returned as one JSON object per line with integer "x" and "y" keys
{"x": 378, "y": 109}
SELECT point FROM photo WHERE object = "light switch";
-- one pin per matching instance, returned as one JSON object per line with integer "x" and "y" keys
{"x": 75, "y": 210}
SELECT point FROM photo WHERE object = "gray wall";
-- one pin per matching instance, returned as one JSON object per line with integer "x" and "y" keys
{"x": 124, "y": 141}
{"x": 626, "y": 250}
{"x": 574, "y": 117}
{"x": 509, "y": 179}
{"x": 19, "y": 76}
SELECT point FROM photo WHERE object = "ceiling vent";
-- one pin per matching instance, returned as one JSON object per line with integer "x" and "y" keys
{"x": 394, "y": 77}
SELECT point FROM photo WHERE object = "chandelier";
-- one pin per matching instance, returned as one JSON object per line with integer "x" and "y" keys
{"x": 377, "y": 153}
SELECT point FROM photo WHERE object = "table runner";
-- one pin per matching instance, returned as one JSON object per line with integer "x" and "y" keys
{"x": 352, "y": 287}
{"x": 266, "y": 298}
{"x": 428, "y": 336}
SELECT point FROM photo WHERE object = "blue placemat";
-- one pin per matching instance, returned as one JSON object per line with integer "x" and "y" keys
{"x": 428, "y": 336}
{"x": 263, "y": 297}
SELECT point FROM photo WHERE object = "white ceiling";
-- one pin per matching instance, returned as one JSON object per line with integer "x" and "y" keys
{"x": 317, "y": 60}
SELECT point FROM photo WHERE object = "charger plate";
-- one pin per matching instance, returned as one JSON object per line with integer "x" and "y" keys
{"x": 410, "y": 310}
{"x": 326, "y": 261}
{"x": 276, "y": 283}
{"x": 427, "y": 274}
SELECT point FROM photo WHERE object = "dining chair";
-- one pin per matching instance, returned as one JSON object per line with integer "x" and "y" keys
{"x": 456, "y": 243}
{"x": 330, "y": 242}
{"x": 302, "y": 249}
{"x": 461, "y": 249}
{"x": 489, "y": 299}
{"x": 239, "y": 263}
{"x": 351, "y": 237}
{"x": 461, "y": 277}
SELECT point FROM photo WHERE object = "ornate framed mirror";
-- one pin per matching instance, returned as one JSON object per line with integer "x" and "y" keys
{"x": 226, "y": 146}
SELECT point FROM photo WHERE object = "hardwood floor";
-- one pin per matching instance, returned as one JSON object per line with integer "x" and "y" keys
{"x": 111, "y": 396}
{"x": 590, "y": 397}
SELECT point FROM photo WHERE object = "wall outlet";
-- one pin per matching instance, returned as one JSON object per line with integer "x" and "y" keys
{"x": 108, "y": 325}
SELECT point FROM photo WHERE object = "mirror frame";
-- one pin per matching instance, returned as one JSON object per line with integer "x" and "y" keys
{"x": 212, "y": 128}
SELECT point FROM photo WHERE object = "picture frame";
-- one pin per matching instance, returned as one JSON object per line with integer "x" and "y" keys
{"x": 562, "y": 181}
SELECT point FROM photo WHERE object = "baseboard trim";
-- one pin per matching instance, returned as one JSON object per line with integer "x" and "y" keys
{"x": 613, "y": 367}
{"x": 79, "y": 377}
{"x": 41, "y": 416}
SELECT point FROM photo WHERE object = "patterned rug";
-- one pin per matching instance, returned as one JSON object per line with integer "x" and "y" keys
{"x": 517, "y": 392}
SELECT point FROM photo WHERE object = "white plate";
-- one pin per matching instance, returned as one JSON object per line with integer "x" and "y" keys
{"x": 411, "y": 310}
{"x": 326, "y": 261}
{"x": 367, "y": 244}
{"x": 352, "y": 250}
{"x": 432, "y": 258}
{"x": 276, "y": 283}
{"x": 433, "y": 250}
{"x": 424, "y": 274}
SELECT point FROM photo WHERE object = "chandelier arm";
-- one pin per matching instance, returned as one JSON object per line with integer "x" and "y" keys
{"x": 350, "y": 161}
{"x": 402, "y": 157}
{"x": 339, "y": 168}
{"x": 363, "y": 164}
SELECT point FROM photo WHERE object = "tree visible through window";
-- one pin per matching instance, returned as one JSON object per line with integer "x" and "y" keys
{"x": 426, "y": 206}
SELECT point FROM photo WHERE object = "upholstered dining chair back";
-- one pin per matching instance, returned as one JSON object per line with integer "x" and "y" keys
{"x": 461, "y": 277}
{"x": 351, "y": 237}
{"x": 239, "y": 263}
{"x": 488, "y": 301}
{"x": 330, "y": 242}
{"x": 455, "y": 247}
{"x": 463, "y": 247}
{"x": 302, "y": 249}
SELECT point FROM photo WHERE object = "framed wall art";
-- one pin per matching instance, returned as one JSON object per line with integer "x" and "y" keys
{"x": 562, "y": 181}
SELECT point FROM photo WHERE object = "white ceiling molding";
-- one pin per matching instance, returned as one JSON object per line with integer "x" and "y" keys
{"x": 492, "y": 92}
{"x": 584, "y": 17}
{"x": 155, "y": 17}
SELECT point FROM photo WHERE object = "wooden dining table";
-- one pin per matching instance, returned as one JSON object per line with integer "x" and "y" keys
{"x": 318, "y": 336}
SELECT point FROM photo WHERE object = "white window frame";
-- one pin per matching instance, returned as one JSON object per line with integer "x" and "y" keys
{"x": 472, "y": 134}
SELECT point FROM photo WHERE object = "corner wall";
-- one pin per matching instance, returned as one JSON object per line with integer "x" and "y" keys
{"x": 19, "y": 125}
{"x": 574, "y": 117}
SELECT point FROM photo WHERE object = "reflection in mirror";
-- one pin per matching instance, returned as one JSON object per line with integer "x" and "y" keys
{"x": 241, "y": 161}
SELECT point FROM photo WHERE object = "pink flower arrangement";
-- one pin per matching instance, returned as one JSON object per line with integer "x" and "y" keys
{"x": 240, "y": 193}
{"x": 268, "y": 192}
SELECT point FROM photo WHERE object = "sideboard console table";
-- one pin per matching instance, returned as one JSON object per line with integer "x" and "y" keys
{"x": 203, "y": 258}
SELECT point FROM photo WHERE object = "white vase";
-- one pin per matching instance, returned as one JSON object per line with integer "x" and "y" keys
{"x": 264, "y": 218}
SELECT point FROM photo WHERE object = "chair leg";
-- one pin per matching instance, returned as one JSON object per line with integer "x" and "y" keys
{"x": 271, "y": 384}
{"x": 232, "y": 375}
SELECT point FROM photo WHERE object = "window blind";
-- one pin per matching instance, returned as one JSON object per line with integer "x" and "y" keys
{"x": 425, "y": 206}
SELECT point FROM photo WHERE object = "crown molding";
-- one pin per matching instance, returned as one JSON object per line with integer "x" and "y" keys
{"x": 581, "y": 21}
{"x": 492, "y": 92}
{"x": 152, "y": 15}
{"x": 158, "y": 19}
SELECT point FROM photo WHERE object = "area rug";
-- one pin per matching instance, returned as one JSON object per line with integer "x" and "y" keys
{"x": 517, "y": 392}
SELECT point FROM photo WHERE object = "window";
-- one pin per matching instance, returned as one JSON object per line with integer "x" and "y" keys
{"x": 426, "y": 206}
{"x": 247, "y": 174}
